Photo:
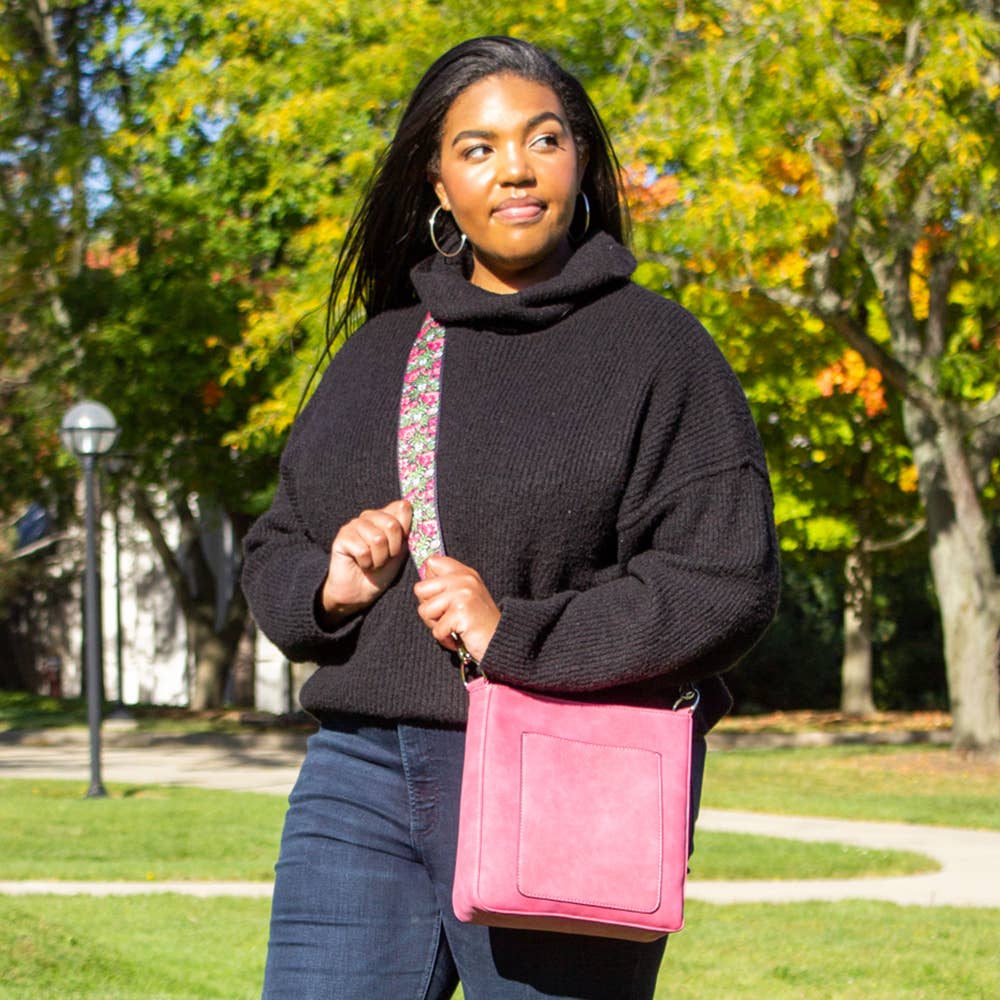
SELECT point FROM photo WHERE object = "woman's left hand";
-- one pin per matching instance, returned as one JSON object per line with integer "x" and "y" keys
{"x": 453, "y": 598}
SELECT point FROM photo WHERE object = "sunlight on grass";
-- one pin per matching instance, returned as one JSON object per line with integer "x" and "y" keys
{"x": 51, "y": 831}
{"x": 132, "y": 948}
{"x": 935, "y": 786}
{"x": 163, "y": 833}
{"x": 744, "y": 856}
{"x": 176, "y": 948}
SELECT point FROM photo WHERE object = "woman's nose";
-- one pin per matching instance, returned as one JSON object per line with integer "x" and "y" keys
{"x": 514, "y": 165}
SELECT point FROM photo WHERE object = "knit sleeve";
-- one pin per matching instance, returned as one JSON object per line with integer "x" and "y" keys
{"x": 284, "y": 568}
{"x": 697, "y": 578}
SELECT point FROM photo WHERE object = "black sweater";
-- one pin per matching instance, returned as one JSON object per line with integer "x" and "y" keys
{"x": 597, "y": 464}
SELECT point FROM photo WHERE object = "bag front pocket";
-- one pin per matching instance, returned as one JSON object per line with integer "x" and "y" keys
{"x": 596, "y": 840}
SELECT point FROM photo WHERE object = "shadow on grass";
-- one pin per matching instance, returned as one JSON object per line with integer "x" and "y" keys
{"x": 21, "y": 710}
{"x": 23, "y": 713}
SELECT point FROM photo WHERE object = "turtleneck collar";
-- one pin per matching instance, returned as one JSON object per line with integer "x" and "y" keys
{"x": 597, "y": 265}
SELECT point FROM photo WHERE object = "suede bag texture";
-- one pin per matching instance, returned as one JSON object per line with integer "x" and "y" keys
{"x": 574, "y": 815}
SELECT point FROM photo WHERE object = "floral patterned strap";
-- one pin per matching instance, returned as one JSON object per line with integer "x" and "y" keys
{"x": 417, "y": 441}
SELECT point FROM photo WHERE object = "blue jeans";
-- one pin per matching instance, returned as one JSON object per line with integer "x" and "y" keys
{"x": 362, "y": 899}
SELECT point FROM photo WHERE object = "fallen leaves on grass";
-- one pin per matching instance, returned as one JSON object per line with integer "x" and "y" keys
{"x": 838, "y": 722}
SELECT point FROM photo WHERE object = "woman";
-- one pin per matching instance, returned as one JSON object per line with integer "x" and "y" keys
{"x": 603, "y": 498}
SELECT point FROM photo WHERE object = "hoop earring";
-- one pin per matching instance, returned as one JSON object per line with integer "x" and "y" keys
{"x": 586, "y": 217}
{"x": 461, "y": 245}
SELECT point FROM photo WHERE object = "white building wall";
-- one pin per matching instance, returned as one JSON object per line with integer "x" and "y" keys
{"x": 154, "y": 655}
{"x": 271, "y": 678}
{"x": 154, "y": 646}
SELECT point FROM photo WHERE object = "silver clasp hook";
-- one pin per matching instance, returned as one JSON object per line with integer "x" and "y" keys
{"x": 467, "y": 663}
{"x": 689, "y": 698}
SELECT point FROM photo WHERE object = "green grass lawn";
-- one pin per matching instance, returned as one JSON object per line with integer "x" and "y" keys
{"x": 742, "y": 856}
{"x": 48, "y": 830}
{"x": 162, "y": 833}
{"x": 139, "y": 947}
{"x": 903, "y": 784}
{"x": 840, "y": 951}
{"x": 28, "y": 712}
{"x": 155, "y": 948}
{"x": 20, "y": 710}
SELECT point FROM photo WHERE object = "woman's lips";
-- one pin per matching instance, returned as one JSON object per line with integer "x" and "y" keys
{"x": 519, "y": 209}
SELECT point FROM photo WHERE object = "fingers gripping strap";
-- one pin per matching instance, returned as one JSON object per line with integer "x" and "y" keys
{"x": 417, "y": 440}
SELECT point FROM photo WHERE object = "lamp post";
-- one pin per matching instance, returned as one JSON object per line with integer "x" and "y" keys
{"x": 115, "y": 465}
{"x": 89, "y": 431}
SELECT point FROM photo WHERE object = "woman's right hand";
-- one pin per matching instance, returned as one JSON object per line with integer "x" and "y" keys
{"x": 365, "y": 558}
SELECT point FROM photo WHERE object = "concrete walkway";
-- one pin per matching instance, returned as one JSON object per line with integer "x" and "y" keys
{"x": 969, "y": 859}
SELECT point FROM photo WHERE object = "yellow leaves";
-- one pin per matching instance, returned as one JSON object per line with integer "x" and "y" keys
{"x": 790, "y": 166}
{"x": 358, "y": 163}
{"x": 690, "y": 22}
{"x": 909, "y": 479}
{"x": 791, "y": 268}
{"x": 919, "y": 292}
{"x": 326, "y": 234}
{"x": 851, "y": 376}
{"x": 652, "y": 275}
{"x": 857, "y": 17}
{"x": 270, "y": 420}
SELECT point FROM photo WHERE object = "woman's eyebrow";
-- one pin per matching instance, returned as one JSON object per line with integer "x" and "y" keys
{"x": 533, "y": 122}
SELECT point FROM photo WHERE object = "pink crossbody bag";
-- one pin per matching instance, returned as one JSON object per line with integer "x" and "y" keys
{"x": 574, "y": 814}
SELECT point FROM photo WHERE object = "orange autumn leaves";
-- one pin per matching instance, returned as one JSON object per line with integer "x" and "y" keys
{"x": 648, "y": 191}
{"x": 851, "y": 376}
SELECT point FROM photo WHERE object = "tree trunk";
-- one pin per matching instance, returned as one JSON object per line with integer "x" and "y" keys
{"x": 243, "y": 676}
{"x": 212, "y": 658}
{"x": 856, "y": 666}
{"x": 215, "y": 650}
{"x": 213, "y": 637}
{"x": 964, "y": 578}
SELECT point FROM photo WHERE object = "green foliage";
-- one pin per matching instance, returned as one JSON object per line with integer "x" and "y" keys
{"x": 834, "y": 177}
{"x": 797, "y": 663}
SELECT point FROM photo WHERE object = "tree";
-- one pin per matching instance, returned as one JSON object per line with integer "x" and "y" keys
{"x": 840, "y": 160}
{"x": 843, "y": 474}
{"x": 116, "y": 284}
{"x": 50, "y": 68}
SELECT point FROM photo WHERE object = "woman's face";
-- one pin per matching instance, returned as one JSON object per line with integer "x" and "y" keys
{"x": 509, "y": 173}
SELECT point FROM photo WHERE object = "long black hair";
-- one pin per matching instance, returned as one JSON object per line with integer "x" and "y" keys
{"x": 389, "y": 233}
